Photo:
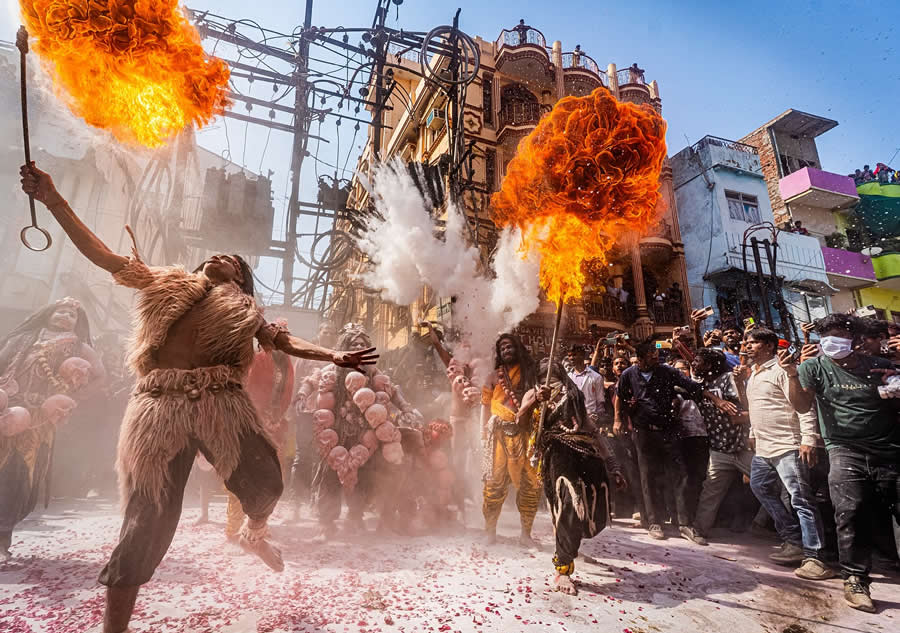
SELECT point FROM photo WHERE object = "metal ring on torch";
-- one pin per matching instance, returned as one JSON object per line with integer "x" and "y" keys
{"x": 22, "y": 45}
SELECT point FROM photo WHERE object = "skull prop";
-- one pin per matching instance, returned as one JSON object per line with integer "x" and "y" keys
{"x": 323, "y": 419}
{"x": 75, "y": 371}
{"x": 393, "y": 452}
{"x": 359, "y": 455}
{"x": 459, "y": 384}
{"x": 14, "y": 421}
{"x": 325, "y": 441}
{"x": 381, "y": 382}
{"x": 369, "y": 440}
{"x": 57, "y": 408}
{"x": 354, "y": 382}
{"x": 454, "y": 369}
{"x": 325, "y": 400}
{"x": 337, "y": 458}
{"x": 385, "y": 432}
{"x": 376, "y": 415}
{"x": 382, "y": 397}
{"x": 364, "y": 398}
{"x": 327, "y": 379}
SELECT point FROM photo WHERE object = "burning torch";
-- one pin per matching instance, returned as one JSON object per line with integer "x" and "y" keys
{"x": 585, "y": 177}
{"x": 22, "y": 45}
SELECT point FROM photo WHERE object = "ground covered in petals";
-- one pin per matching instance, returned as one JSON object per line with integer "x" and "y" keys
{"x": 447, "y": 582}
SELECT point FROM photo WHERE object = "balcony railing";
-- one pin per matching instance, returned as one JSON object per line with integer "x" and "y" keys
{"x": 521, "y": 36}
{"x": 605, "y": 308}
{"x": 520, "y": 113}
{"x": 721, "y": 142}
{"x": 583, "y": 62}
{"x": 667, "y": 313}
{"x": 630, "y": 75}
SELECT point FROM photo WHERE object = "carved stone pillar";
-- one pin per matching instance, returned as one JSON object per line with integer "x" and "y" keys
{"x": 643, "y": 327}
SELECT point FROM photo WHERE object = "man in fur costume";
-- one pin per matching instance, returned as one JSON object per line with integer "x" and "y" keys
{"x": 192, "y": 346}
{"x": 575, "y": 466}
{"x": 357, "y": 425}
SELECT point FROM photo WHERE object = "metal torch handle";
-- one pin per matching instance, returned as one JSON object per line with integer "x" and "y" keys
{"x": 22, "y": 45}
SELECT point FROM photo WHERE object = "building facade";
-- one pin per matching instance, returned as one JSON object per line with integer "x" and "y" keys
{"x": 520, "y": 78}
{"x": 858, "y": 247}
{"x": 727, "y": 224}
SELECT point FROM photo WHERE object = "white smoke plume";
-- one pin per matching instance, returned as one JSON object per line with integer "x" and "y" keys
{"x": 406, "y": 254}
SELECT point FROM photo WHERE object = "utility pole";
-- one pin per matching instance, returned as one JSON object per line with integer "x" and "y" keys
{"x": 301, "y": 138}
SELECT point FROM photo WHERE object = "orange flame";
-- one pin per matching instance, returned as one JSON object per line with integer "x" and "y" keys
{"x": 587, "y": 175}
{"x": 133, "y": 67}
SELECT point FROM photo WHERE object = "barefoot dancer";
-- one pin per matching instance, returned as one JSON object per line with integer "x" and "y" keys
{"x": 191, "y": 349}
{"x": 575, "y": 465}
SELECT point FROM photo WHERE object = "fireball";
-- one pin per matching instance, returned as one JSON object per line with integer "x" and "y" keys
{"x": 585, "y": 177}
{"x": 133, "y": 67}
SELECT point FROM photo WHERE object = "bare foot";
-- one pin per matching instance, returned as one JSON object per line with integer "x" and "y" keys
{"x": 529, "y": 542}
{"x": 490, "y": 537}
{"x": 202, "y": 519}
{"x": 565, "y": 584}
{"x": 5, "y": 556}
{"x": 268, "y": 553}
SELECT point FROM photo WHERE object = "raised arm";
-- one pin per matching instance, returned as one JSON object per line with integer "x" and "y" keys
{"x": 800, "y": 398}
{"x": 38, "y": 184}
{"x": 436, "y": 342}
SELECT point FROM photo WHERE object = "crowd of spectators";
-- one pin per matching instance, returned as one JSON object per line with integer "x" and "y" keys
{"x": 882, "y": 174}
{"x": 805, "y": 441}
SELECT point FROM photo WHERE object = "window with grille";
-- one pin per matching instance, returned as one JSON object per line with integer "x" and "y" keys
{"x": 487, "y": 99}
{"x": 490, "y": 168}
{"x": 742, "y": 207}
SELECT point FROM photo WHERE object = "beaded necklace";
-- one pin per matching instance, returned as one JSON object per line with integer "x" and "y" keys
{"x": 506, "y": 385}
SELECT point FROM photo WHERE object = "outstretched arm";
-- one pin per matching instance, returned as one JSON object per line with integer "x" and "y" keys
{"x": 38, "y": 184}
{"x": 304, "y": 349}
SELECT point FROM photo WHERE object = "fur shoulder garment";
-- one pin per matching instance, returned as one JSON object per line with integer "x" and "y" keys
{"x": 228, "y": 321}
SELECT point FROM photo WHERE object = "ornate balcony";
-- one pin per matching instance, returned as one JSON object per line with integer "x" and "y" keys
{"x": 522, "y": 51}
{"x": 581, "y": 73}
{"x": 604, "y": 307}
{"x": 519, "y": 116}
{"x": 632, "y": 85}
{"x": 656, "y": 246}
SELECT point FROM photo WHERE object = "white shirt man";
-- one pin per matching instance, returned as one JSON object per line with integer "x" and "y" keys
{"x": 591, "y": 385}
{"x": 785, "y": 456}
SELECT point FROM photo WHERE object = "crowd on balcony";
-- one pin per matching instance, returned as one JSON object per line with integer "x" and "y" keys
{"x": 734, "y": 429}
{"x": 882, "y": 174}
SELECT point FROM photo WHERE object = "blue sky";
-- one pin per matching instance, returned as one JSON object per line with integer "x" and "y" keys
{"x": 724, "y": 68}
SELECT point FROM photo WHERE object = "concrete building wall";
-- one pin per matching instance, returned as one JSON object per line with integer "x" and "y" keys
{"x": 768, "y": 160}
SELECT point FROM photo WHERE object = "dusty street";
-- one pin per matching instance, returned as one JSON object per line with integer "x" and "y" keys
{"x": 439, "y": 583}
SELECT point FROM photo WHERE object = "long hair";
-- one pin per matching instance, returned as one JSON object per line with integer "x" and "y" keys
{"x": 26, "y": 333}
{"x": 527, "y": 366}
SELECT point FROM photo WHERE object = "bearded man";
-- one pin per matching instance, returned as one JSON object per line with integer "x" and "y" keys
{"x": 506, "y": 438}
{"x": 191, "y": 349}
